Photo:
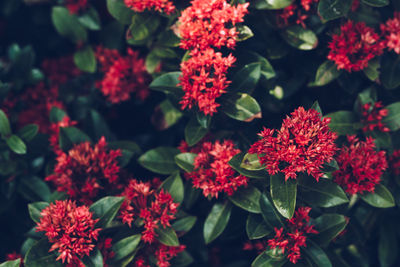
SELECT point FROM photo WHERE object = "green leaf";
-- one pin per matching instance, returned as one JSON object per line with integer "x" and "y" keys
{"x": 165, "y": 115}
{"x": 300, "y": 38}
{"x": 69, "y": 136}
{"x": 216, "y": 221}
{"x": 167, "y": 236}
{"x": 152, "y": 62}
{"x": 376, "y": 3}
{"x": 5, "y": 128}
{"x": 264, "y": 260}
{"x": 251, "y": 162}
{"x": 316, "y": 255}
{"x": 392, "y": 120}
{"x": 105, "y": 209}
{"x": 142, "y": 26}
{"x": 203, "y": 120}
{"x": 235, "y": 163}
{"x": 246, "y": 79}
{"x": 185, "y": 161}
{"x": 269, "y": 213}
{"x": 174, "y": 186}
{"x": 244, "y": 33}
{"x": 85, "y": 59}
{"x": 242, "y": 107}
{"x": 128, "y": 148}
{"x": 90, "y": 19}
{"x": 167, "y": 82}
{"x": 326, "y": 73}
{"x": 283, "y": 194}
{"x": 328, "y": 226}
{"x": 380, "y": 198}
{"x": 343, "y": 122}
{"x": 120, "y": 11}
{"x": 272, "y": 4}
{"x": 390, "y": 71}
{"x": 34, "y": 188}
{"x": 372, "y": 71}
{"x": 388, "y": 245}
{"x": 183, "y": 259}
{"x": 256, "y": 227}
{"x": 324, "y": 193}
{"x": 95, "y": 259}
{"x": 247, "y": 198}
{"x": 13, "y": 263}
{"x": 330, "y": 166}
{"x": 184, "y": 224}
{"x": 194, "y": 132}
{"x": 315, "y": 106}
{"x": 97, "y": 126}
{"x": 35, "y": 209}
{"x": 125, "y": 247}
{"x": 168, "y": 38}
{"x": 38, "y": 255}
{"x": 333, "y": 9}
{"x": 28, "y": 132}
{"x": 57, "y": 114}
{"x": 160, "y": 160}
{"x": 16, "y": 144}
{"x": 68, "y": 25}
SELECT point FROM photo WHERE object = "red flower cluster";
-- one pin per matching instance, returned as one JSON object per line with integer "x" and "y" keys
{"x": 303, "y": 143}
{"x": 15, "y": 256}
{"x": 54, "y": 132}
{"x": 372, "y": 117}
{"x": 162, "y": 253}
{"x": 355, "y": 46}
{"x": 360, "y": 166}
{"x": 205, "y": 26}
{"x": 212, "y": 172}
{"x": 105, "y": 248}
{"x": 391, "y": 33}
{"x": 123, "y": 75}
{"x": 154, "y": 208}
{"x": 165, "y": 6}
{"x": 85, "y": 170}
{"x": 76, "y": 6}
{"x": 297, "y": 12}
{"x": 204, "y": 80}
{"x": 70, "y": 228}
{"x": 60, "y": 70}
{"x": 394, "y": 162}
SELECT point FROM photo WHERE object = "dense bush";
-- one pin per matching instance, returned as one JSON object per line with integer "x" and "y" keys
{"x": 202, "y": 133}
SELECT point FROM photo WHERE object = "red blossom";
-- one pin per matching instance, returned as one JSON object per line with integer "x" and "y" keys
{"x": 297, "y": 12}
{"x": 85, "y": 170}
{"x": 105, "y": 247}
{"x": 394, "y": 162}
{"x": 354, "y": 5}
{"x": 391, "y": 33}
{"x": 207, "y": 24}
{"x": 70, "y": 228}
{"x": 155, "y": 209}
{"x": 354, "y": 47}
{"x": 204, "y": 80}
{"x": 360, "y": 166}
{"x": 165, "y": 6}
{"x": 212, "y": 173}
{"x": 15, "y": 256}
{"x": 76, "y": 6}
{"x": 123, "y": 75}
{"x": 162, "y": 253}
{"x": 372, "y": 116}
{"x": 60, "y": 70}
{"x": 303, "y": 144}
{"x": 54, "y": 132}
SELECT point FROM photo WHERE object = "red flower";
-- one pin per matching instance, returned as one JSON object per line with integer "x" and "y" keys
{"x": 158, "y": 5}
{"x": 54, "y": 132}
{"x": 123, "y": 75}
{"x": 297, "y": 12}
{"x": 361, "y": 167}
{"x": 70, "y": 228}
{"x": 85, "y": 170}
{"x": 105, "y": 247}
{"x": 60, "y": 70}
{"x": 354, "y": 47}
{"x": 15, "y": 256}
{"x": 76, "y": 6}
{"x": 391, "y": 33}
{"x": 162, "y": 253}
{"x": 372, "y": 117}
{"x": 207, "y": 24}
{"x": 212, "y": 172}
{"x": 204, "y": 80}
{"x": 154, "y": 208}
{"x": 303, "y": 144}
{"x": 394, "y": 162}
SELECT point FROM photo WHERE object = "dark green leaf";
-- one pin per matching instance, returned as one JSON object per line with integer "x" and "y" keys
{"x": 247, "y": 198}
{"x": 372, "y": 70}
{"x": 12, "y": 263}
{"x": 16, "y": 144}
{"x": 244, "y": 33}
{"x": 326, "y": 73}
{"x": 106, "y": 209}
{"x": 165, "y": 115}
{"x": 272, "y": 4}
{"x": 97, "y": 126}
{"x": 38, "y": 255}
{"x": 315, "y": 106}
{"x": 203, "y": 120}
{"x": 388, "y": 245}
{"x": 380, "y": 198}
{"x": 69, "y": 136}
{"x": 85, "y": 59}
{"x": 28, "y": 132}
{"x": 316, "y": 255}
{"x": 57, "y": 114}
{"x": 246, "y": 79}
{"x": 376, "y": 3}
{"x": 120, "y": 11}
{"x": 34, "y": 188}
{"x": 333, "y": 9}
{"x": 184, "y": 224}
{"x": 390, "y": 71}
{"x": 125, "y": 247}
{"x": 191, "y": 195}
{"x": 343, "y": 122}
{"x": 324, "y": 193}
{"x": 283, "y": 194}
{"x": 167, "y": 236}
{"x": 185, "y": 161}
{"x": 300, "y": 38}
{"x": 5, "y": 128}
{"x": 256, "y": 227}
{"x": 168, "y": 38}
{"x": 129, "y": 149}
{"x": 35, "y": 209}
{"x": 95, "y": 259}
{"x": 269, "y": 213}
{"x": 237, "y": 160}
{"x": 251, "y": 162}
{"x": 330, "y": 166}
{"x": 174, "y": 186}
{"x": 183, "y": 259}
{"x": 167, "y": 82}
{"x": 160, "y": 160}
{"x": 328, "y": 226}
{"x": 242, "y": 107}
{"x": 216, "y": 221}
{"x": 392, "y": 120}
{"x": 68, "y": 25}
{"x": 90, "y": 19}
{"x": 264, "y": 260}
{"x": 194, "y": 132}
{"x": 142, "y": 26}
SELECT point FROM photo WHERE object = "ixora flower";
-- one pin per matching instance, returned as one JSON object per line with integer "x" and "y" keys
{"x": 70, "y": 228}
{"x": 204, "y": 80}
{"x": 210, "y": 23}
{"x": 356, "y": 45}
{"x": 303, "y": 144}
{"x": 212, "y": 173}
{"x": 162, "y": 253}
{"x": 85, "y": 170}
{"x": 290, "y": 239}
{"x": 76, "y": 6}
{"x": 123, "y": 75}
{"x": 158, "y": 5}
{"x": 372, "y": 116}
{"x": 391, "y": 33}
{"x": 299, "y": 11}
{"x": 394, "y": 162}
{"x": 360, "y": 166}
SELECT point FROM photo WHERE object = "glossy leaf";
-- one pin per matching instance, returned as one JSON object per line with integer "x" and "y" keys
{"x": 120, "y": 11}
{"x": 105, "y": 209}
{"x": 376, "y": 3}
{"x": 388, "y": 245}
{"x": 242, "y": 107}
{"x": 34, "y": 188}
{"x": 283, "y": 194}
{"x": 330, "y": 166}
{"x": 247, "y": 198}
{"x": 16, "y": 144}
{"x": 235, "y": 163}
{"x": 68, "y": 25}
{"x": 300, "y": 38}
{"x": 184, "y": 224}
{"x": 380, "y": 198}
{"x": 194, "y": 132}
{"x": 333, "y": 9}
{"x": 251, "y": 162}
{"x": 160, "y": 160}
{"x": 95, "y": 259}
{"x": 392, "y": 120}
{"x": 185, "y": 161}
{"x": 69, "y": 136}
{"x": 264, "y": 260}
{"x": 269, "y": 213}
{"x": 35, "y": 209}
{"x": 316, "y": 255}
{"x": 216, "y": 221}
{"x": 11, "y": 263}
{"x": 246, "y": 78}
{"x": 90, "y": 19}
{"x": 125, "y": 247}
{"x": 174, "y": 186}
{"x": 38, "y": 255}
{"x": 328, "y": 226}
{"x": 272, "y": 4}
{"x": 343, "y": 122}
{"x": 167, "y": 82}
{"x": 165, "y": 115}
{"x": 167, "y": 236}
{"x": 85, "y": 59}
{"x": 326, "y": 73}
{"x": 128, "y": 149}
{"x": 28, "y": 132}
{"x": 256, "y": 227}
{"x": 5, "y": 128}
{"x": 390, "y": 71}
{"x": 183, "y": 259}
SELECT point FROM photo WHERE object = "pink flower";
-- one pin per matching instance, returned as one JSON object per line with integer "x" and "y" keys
{"x": 391, "y": 33}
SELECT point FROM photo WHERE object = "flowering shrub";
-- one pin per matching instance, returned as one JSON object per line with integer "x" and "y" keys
{"x": 199, "y": 133}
